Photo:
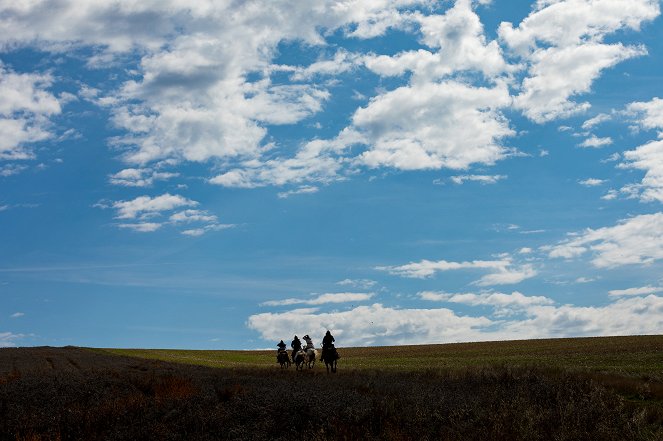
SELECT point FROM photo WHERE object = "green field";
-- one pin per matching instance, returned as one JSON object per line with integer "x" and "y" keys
{"x": 628, "y": 356}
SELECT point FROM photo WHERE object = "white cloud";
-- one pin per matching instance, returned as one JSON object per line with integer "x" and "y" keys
{"x": 592, "y": 182}
{"x": 25, "y": 109}
{"x": 649, "y": 115}
{"x": 567, "y": 23}
{"x": 531, "y": 317}
{"x": 610, "y": 195}
{"x": 146, "y": 206}
{"x": 637, "y": 240}
{"x": 321, "y": 299}
{"x": 188, "y": 216}
{"x": 482, "y": 179}
{"x": 11, "y": 169}
{"x": 142, "y": 227}
{"x": 195, "y": 232}
{"x": 644, "y": 290}
{"x": 139, "y": 177}
{"x": 461, "y": 45}
{"x": 358, "y": 283}
{"x": 17, "y": 315}
{"x": 502, "y": 272}
{"x": 374, "y": 324}
{"x": 433, "y": 126}
{"x": 8, "y": 339}
{"x": 305, "y": 189}
{"x": 647, "y": 157}
{"x": 561, "y": 43}
{"x": 525, "y": 250}
{"x": 496, "y": 299}
{"x": 595, "y": 142}
{"x": 593, "y": 122}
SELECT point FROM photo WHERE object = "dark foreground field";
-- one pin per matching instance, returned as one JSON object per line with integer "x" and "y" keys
{"x": 74, "y": 393}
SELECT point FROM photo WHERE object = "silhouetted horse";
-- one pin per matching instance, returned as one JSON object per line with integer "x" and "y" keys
{"x": 310, "y": 358}
{"x": 283, "y": 359}
{"x": 300, "y": 359}
{"x": 330, "y": 357}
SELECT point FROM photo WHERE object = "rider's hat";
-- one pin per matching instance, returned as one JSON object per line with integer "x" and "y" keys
{"x": 306, "y": 336}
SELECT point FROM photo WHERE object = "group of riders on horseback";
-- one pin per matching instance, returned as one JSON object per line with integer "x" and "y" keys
{"x": 306, "y": 354}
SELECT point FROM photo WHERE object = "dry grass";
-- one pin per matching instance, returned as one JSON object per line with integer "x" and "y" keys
{"x": 94, "y": 395}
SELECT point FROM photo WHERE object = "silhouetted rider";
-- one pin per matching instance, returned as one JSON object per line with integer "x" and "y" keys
{"x": 327, "y": 343}
{"x": 296, "y": 345}
{"x": 281, "y": 347}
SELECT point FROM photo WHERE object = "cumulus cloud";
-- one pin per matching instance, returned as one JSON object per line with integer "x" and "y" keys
{"x": 374, "y": 324}
{"x": 139, "y": 177}
{"x": 593, "y": 122}
{"x": 648, "y": 115}
{"x": 457, "y": 42}
{"x": 321, "y": 299}
{"x": 647, "y": 157}
{"x": 434, "y": 125}
{"x": 562, "y": 44}
{"x": 595, "y": 142}
{"x": 25, "y": 109}
{"x": 146, "y": 206}
{"x": 592, "y": 182}
{"x": 534, "y": 317}
{"x": 637, "y": 240}
{"x": 501, "y": 272}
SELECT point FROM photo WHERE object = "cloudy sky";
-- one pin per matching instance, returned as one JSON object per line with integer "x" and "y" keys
{"x": 225, "y": 174}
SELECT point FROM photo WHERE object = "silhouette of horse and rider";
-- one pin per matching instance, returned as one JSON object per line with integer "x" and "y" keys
{"x": 306, "y": 355}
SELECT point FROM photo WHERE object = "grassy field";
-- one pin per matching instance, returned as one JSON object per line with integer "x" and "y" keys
{"x": 563, "y": 389}
{"x": 629, "y": 356}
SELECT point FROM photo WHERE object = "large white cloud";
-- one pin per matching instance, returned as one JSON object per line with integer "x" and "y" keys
{"x": 530, "y": 317}
{"x": 562, "y": 42}
{"x": 434, "y": 125}
{"x": 637, "y": 240}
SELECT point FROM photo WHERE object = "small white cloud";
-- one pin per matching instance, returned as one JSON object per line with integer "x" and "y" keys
{"x": 592, "y": 182}
{"x": 11, "y": 169}
{"x": 644, "y": 290}
{"x": 525, "y": 250}
{"x": 306, "y": 189}
{"x": 595, "y": 142}
{"x": 482, "y": 179}
{"x": 145, "y": 206}
{"x": 358, "y": 283}
{"x": 17, "y": 315}
{"x": 195, "y": 232}
{"x": 341, "y": 297}
{"x": 598, "y": 119}
{"x": 142, "y": 227}
{"x": 139, "y": 177}
{"x": 8, "y": 339}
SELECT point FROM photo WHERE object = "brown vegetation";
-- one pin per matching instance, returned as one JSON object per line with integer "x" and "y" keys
{"x": 81, "y": 394}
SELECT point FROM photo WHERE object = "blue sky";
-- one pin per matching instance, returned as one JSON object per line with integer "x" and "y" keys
{"x": 229, "y": 174}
